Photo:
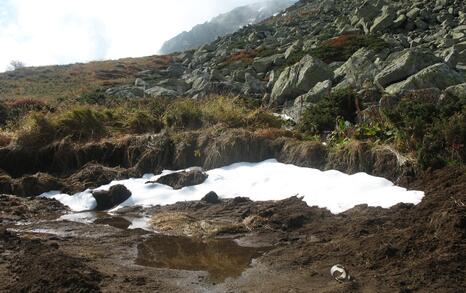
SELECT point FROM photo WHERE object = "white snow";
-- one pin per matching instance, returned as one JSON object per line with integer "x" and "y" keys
{"x": 268, "y": 180}
{"x": 284, "y": 117}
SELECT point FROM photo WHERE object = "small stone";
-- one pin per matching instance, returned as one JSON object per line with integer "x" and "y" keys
{"x": 211, "y": 197}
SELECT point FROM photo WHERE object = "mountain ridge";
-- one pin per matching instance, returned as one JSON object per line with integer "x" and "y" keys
{"x": 223, "y": 24}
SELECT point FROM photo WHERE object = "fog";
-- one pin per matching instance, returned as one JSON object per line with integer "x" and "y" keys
{"x": 66, "y": 31}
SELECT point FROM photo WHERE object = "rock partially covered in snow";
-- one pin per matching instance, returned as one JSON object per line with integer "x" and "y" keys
{"x": 116, "y": 195}
{"x": 182, "y": 179}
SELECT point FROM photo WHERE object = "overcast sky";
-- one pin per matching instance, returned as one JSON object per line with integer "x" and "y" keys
{"x": 42, "y": 32}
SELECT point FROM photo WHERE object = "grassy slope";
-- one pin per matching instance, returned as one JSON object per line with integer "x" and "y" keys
{"x": 65, "y": 81}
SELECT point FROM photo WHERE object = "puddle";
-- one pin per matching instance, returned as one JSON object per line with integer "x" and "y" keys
{"x": 102, "y": 218}
{"x": 221, "y": 258}
{"x": 117, "y": 222}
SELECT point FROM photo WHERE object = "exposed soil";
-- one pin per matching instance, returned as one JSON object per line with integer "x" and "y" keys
{"x": 72, "y": 168}
{"x": 289, "y": 247}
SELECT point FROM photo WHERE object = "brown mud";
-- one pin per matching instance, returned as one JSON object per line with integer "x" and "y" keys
{"x": 285, "y": 246}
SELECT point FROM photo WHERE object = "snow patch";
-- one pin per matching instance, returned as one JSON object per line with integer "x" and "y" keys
{"x": 268, "y": 180}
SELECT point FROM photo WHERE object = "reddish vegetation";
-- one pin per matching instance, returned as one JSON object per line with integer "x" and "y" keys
{"x": 341, "y": 41}
{"x": 26, "y": 104}
{"x": 244, "y": 55}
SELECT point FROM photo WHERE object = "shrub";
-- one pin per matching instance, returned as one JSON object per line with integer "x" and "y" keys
{"x": 183, "y": 114}
{"x": 142, "y": 122}
{"x": 97, "y": 97}
{"x": 18, "y": 108}
{"x": 274, "y": 133}
{"x": 321, "y": 117}
{"x": 343, "y": 47}
{"x": 444, "y": 143}
{"x": 3, "y": 113}
{"x": 81, "y": 123}
{"x": 436, "y": 131}
{"x": 229, "y": 111}
{"x": 36, "y": 129}
{"x": 5, "y": 139}
{"x": 263, "y": 119}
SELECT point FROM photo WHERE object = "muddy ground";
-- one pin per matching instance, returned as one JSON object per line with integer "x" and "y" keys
{"x": 241, "y": 246}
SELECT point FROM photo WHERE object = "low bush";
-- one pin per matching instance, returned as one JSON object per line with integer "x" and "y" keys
{"x": 226, "y": 110}
{"x": 16, "y": 109}
{"x": 5, "y": 138}
{"x": 81, "y": 123}
{"x": 183, "y": 114}
{"x": 321, "y": 117}
{"x": 436, "y": 131}
{"x": 143, "y": 122}
{"x": 274, "y": 133}
{"x": 36, "y": 130}
{"x": 3, "y": 113}
{"x": 260, "y": 118}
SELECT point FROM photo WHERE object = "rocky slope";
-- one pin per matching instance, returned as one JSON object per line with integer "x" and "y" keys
{"x": 224, "y": 24}
{"x": 291, "y": 60}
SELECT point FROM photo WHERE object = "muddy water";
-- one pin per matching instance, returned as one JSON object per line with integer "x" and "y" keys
{"x": 221, "y": 258}
{"x": 117, "y": 222}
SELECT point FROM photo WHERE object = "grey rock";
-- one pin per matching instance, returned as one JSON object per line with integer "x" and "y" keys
{"x": 295, "y": 108}
{"x": 403, "y": 64}
{"x": 158, "y": 91}
{"x": 458, "y": 90}
{"x": 252, "y": 85}
{"x": 360, "y": 67}
{"x": 139, "y": 82}
{"x": 436, "y": 76}
{"x": 294, "y": 48}
{"x": 413, "y": 13}
{"x": 125, "y": 92}
{"x": 266, "y": 63}
{"x": 384, "y": 21}
{"x": 299, "y": 79}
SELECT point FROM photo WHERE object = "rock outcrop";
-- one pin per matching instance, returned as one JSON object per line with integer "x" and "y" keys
{"x": 182, "y": 179}
{"x": 116, "y": 195}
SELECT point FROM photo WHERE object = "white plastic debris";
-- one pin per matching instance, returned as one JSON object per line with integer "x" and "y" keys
{"x": 340, "y": 273}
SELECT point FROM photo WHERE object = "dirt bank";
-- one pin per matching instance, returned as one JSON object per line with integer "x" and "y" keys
{"x": 72, "y": 167}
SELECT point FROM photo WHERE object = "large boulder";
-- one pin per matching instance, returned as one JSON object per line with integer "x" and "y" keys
{"x": 365, "y": 14}
{"x": 116, "y": 195}
{"x": 125, "y": 92}
{"x": 384, "y": 21}
{"x": 158, "y": 91}
{"x": 299, "y": 79}
{"x": 182, "y": 179}
{"x": 359, "y": 67}
{"x": 266, "y": 63}
{"x": 295, "y": 108}
{"x": 436, "y": 76}
{"x": 403, "y": 64}
{"x": 458, "y": 90}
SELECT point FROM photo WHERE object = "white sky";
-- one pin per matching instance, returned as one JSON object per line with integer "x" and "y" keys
{"x": 43, "y": 32}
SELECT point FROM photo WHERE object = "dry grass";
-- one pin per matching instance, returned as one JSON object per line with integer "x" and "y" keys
{"x": 66, "y": 81}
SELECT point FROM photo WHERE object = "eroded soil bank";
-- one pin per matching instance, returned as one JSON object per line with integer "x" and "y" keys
{"x": 72, "y": 168}
{"x": 290, "y": 247}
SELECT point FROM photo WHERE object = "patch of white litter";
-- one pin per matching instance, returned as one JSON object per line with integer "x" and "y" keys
{"x": 268, "y": 180}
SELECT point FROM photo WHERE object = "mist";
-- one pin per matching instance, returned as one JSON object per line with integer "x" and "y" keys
{"x": 59, "y": 32}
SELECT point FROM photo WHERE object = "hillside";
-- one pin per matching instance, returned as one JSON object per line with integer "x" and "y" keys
{"x": 322, "y": 149}
{"x": 224, "y": 24}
